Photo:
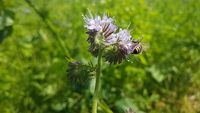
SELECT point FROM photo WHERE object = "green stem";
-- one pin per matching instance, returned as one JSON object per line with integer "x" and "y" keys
{"x": 97, "y": 83}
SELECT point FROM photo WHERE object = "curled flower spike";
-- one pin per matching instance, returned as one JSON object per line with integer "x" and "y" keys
{"x": 79, "y": 74}
{"x": 98, "y": 30}
{"x": 121, "y": 46}
{"x": 124, "y": 41}
{"x": 99, "y": 25}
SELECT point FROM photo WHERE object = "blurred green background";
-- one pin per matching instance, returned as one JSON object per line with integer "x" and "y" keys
{"x": 164, "y": 79}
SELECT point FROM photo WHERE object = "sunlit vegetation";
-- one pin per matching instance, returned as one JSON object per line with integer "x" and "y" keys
{"x": 37, "y": 38}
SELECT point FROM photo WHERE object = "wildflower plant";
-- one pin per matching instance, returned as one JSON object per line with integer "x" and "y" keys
{"x": 106, "y": 42}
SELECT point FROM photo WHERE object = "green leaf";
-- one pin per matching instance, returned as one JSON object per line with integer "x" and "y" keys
{"x": 156, "y": 74}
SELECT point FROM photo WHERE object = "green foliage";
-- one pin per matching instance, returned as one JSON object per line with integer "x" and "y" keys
{"x": 164, "y": 79}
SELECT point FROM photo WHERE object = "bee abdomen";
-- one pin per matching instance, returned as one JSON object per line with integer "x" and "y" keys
{"x": 137, "y": 49}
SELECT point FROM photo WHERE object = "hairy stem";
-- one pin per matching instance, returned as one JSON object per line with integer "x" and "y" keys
{"x": 97, "y": 83}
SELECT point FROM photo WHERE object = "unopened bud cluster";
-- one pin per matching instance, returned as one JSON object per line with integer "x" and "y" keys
{"x": 79, "y": 74}
{"x": 102, "y": 33}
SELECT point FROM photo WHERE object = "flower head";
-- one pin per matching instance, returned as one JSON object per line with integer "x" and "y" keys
{"x": 125, "y": 41}
{"x": 121, "y": 46}
{"x": 98, "y": 30}
{"x": 102, "y": 34}
{"x": 102, "y": 25}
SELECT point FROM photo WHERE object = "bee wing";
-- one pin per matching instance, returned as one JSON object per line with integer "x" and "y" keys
{"x": 145, "y": 46}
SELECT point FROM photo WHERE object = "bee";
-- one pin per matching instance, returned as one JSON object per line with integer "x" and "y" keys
{"x": 137, "y": 48}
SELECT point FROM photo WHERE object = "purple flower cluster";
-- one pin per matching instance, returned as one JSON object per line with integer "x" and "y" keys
{"x": 102, "y": 33}
{"x": 102, "y": 26}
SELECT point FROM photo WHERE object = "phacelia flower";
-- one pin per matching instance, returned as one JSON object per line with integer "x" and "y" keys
{"x": 102, "y": 34}
{"x": 121, "y": 46}
{"x": 98, "y": 30}
{"x": 99, "y": 25}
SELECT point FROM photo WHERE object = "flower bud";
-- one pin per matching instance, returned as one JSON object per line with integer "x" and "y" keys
{"x": 79, "y": 74}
